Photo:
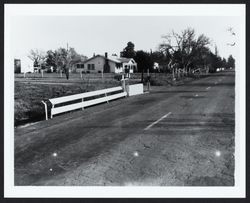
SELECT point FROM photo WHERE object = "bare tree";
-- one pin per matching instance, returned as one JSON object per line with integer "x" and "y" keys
{"x": 37, "y": 56}
{"x": 183, "y": 49}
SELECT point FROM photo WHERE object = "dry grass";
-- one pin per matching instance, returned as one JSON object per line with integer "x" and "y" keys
{"x": 29, "y": 94}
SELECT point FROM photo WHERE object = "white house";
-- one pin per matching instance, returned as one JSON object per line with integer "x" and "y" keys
{"x": 113, "y": 64}
{"x": 26, "y": 64}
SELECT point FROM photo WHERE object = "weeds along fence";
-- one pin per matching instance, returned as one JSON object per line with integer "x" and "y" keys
{"x": 86, "y": 75}
{"x": 58, "y": 75}
{"x": 155, "y": 78}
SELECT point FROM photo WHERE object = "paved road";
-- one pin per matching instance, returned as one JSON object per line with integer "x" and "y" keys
{"x": 180, "y": 135}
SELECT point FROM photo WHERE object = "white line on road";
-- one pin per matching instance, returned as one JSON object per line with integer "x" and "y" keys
{"x": 208, "y": 88}
{"x": 152, "y": 124}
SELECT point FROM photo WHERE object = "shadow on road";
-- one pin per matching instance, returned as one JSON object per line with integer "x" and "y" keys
{"x": 175, "y": 91}
{"x": 192, "y": 97}
{"x": 221, "y": 75}
{"x": 206, "y": 84}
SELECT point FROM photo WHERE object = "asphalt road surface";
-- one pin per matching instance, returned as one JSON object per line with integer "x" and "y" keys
{"x": 172, "y": 136}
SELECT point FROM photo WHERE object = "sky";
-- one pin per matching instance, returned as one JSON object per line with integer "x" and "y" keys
{"x": 100, "y": 34}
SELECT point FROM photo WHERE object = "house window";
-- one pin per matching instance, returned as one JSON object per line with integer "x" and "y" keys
{"x": 118, "y": 65}
{"x": 91, "y": 66}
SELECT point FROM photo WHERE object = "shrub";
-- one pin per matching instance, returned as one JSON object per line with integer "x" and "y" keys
{"x": 118, "y": 77}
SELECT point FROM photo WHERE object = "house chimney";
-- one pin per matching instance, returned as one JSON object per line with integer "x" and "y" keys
{"x": 106, "y": 54}
{"x": 93, "y": 54}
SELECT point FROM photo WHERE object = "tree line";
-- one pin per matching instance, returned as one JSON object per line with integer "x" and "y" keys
{"x": 60, "y": 59}
{"x": 182, "y": 51}
{"x": 179, "y": 51}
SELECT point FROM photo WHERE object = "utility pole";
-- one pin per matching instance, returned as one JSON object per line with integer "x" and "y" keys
{"x": 148, "y": 80}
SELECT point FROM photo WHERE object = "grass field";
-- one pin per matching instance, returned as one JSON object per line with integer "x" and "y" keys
{"x": 30, "y": 91}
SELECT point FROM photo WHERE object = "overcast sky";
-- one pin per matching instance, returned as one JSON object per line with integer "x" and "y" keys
{"x": 99, "y": 34}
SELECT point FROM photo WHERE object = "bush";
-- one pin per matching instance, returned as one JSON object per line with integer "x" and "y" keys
{"x": 118, "y": 77}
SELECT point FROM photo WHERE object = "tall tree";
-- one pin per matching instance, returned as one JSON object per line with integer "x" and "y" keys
{"x": 51, "y": 59}
{"x": 64, "y": 59}
{"x": 144, "y": 62}
{"x": 231, "y": 62}
{"x": 183, "y": 49}
{"x": 161, "y": 58}
{"x": 129, "y": 51}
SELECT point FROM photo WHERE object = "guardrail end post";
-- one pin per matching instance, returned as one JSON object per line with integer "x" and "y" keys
{"x": 46, "y": 110}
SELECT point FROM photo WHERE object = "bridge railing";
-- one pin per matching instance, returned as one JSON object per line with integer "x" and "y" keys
{"x": 79, "y": 101}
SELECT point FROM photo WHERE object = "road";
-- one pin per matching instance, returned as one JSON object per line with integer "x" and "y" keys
{"x": 172, "y": 136}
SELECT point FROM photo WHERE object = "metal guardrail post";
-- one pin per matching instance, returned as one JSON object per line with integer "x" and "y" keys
{"x": 106, "y": 96}
{"x": 46, "y": 110}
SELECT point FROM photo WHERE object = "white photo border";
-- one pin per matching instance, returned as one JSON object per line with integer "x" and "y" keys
{"x": 15, "y": 10}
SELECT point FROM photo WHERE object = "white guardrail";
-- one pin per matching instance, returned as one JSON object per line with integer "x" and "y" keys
{"x": 80, "y": 105}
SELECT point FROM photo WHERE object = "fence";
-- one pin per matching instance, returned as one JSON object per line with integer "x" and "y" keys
{"x": 79, "y": 103}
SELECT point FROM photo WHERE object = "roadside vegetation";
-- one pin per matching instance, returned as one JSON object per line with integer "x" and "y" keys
{"x": 29, "y": 94}
{"x": 180, "y": 54}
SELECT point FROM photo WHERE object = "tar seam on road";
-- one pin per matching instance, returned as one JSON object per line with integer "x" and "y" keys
{"x": 152, "y": 124}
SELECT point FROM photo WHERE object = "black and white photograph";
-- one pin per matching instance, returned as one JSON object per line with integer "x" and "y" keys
{"x": 103, "y": 99}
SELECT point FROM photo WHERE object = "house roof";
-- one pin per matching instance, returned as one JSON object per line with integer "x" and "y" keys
{"x": 116, "y": 61}
{"x": 113, "y": 59}
{"x": 124, "y": 60}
